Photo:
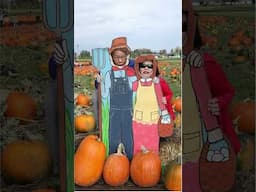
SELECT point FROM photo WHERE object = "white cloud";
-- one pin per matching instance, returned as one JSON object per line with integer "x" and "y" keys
{"x": 154, "y": 24}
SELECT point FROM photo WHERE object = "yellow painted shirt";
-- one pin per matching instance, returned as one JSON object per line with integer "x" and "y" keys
{"x": 146, "y": 109}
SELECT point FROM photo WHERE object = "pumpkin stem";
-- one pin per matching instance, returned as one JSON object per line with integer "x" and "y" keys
{"x": 121, "y": 149}
{"x": 144, "y": 149}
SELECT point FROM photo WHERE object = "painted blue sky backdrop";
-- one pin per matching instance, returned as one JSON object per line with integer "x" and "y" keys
{"x": 152, "y": 24}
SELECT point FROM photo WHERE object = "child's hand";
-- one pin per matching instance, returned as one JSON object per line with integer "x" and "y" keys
{"x": 60, "y": 52}
{"x": 166, "y": 119}
{"x": 218, "y": 148}
{"x": 213, "y": 106}
{"x": 164, "y": 100}
{"x": 218, "y": 151}
{"x": 98, "y": 78}
{"x": 194, "y": 59}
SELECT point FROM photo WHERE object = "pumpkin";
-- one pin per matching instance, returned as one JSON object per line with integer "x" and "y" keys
{"x": 176, "y": 104}
{"x": 24, "y": 161}
{"x": 20, "y": 105}
{"x": 145, "y": 168}
{"x": 234, "y": 41}
{"x": 239, "y": 59}
{"x": 117, "y": 168}
{"x": 174, "y": 72}
{"x": 83, "y": 100}
{"x": 239, "y": 34}
{"x": 84, "y": 123}
{"x": 44, "y": 190}
{"x": 89, "y": 161}
{"x": 247, "y": 41}
{"x": 163, "y": 72}
{"x": 172, "y": 177}
{"x": 243, "y": 115}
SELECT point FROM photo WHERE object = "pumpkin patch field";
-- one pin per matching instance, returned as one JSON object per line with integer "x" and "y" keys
{"x": 26, "y": 160}
{"x": 228, "y": 34}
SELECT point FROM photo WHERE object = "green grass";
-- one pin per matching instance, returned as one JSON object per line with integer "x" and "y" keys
{"x": 174, "y": 83}
{"x": 169, "y": 59}
{"x": 84, "y": 59}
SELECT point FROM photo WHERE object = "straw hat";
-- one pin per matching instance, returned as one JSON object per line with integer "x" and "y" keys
{"x": 119, "y": 43}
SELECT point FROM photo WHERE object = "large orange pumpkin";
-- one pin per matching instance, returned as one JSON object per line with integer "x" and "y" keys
{"x": 243, "y": 113}
{"x": 145, "y": 168}
{"x": 83, "y": 100}
{"x": 172, "y": 178}
{"x": 84, "y": 123}
{"x": 176, "y": 104}
{"x": 117, "y": 168}
{"x": 89, "y": 161}
{"x": 20, "y": 105}
{"x": 24, "y": 161}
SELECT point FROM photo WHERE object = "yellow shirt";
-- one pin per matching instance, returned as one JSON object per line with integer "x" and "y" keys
{"x": 146, "y": 109}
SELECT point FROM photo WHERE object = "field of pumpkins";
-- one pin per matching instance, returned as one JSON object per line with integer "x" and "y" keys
{"x": 26, "y": 162}
{"x": 229, "y": 35}
{"x": 103, "y": 173}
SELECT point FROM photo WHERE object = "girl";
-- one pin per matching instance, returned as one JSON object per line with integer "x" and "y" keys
{"x": 148, "y": 106}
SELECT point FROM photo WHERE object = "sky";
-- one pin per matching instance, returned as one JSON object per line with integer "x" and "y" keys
{"x": 152, "y": 24}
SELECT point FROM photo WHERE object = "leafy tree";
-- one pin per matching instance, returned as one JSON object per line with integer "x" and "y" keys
{"x": 163, "y": 52}
{"x": 84, "y": 54}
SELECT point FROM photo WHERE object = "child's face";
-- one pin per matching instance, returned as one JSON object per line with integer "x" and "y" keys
{"x": 119, "y": 57}
{"x": 146, "y": 69}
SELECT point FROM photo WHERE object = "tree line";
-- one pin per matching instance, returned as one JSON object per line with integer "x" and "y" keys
{"x": 85, "y": 54}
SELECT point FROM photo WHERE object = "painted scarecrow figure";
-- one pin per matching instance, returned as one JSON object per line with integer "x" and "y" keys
{"x": 116, "y": 88}
{"x": 206, "y": 96}
{"x": 148, "y": 106}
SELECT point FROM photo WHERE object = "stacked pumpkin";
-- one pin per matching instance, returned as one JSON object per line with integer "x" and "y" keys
{"x": 239, "y": 44}
{"x": 23, "y": 160}
{"x": 90, "y": 163}
{"x": 84, "y": 122}
{"x": 16, "y": 102}
{"x": 174, "y": 73}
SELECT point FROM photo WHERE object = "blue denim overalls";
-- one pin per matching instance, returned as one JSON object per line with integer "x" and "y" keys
{"x": 120, "y": 122}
